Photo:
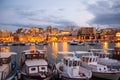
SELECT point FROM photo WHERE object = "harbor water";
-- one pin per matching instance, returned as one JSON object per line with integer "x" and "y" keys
{"x": 53, "y": 48}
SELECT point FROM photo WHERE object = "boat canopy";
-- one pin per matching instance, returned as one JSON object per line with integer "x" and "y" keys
{"x": 6, "y": 54}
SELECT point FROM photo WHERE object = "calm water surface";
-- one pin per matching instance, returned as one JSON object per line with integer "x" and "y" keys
{"x": 53, "y": 48}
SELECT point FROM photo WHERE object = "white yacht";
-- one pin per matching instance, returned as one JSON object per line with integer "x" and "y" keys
{"x": 34, "y": 65}
{"x": 7, "y": 67}
{"x": 104, "y": 57}
{"x": 98, "y": 69}
{"x": 70, "y": 68}
{"x": 76, "y": 42}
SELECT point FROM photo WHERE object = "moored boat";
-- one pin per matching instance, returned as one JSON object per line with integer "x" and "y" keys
{"x": 76, "y": 42}
{"x": 99, "y": 69}
{"x": 34, "y": 65}
{"x": 8, "y": 66}
{"x": 70, "y": 69}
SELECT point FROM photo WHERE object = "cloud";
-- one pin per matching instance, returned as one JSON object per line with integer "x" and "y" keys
{"x": 25, "y": 13}
{"x": 15, "y": 24}
{"x": 41, "y": 23}
{"x": 107, "y": 19}
{"x": 61, "y": 9}
{"x": 53, "y": 20}
{"x": 106, "y": 12}
{"x": 41, "y": 10}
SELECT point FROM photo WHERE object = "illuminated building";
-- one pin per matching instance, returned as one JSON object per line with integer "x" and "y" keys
{"x": 87, "y": 33}
{"x": 116, "y": 52}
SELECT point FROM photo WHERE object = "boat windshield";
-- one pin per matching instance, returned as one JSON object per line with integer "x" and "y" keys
{"x": 89, "y": 59}
{"x": 101, "y": 55}
{"x": 72, "y": 62}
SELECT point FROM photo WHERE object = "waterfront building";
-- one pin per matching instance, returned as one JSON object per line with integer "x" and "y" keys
{"x": 116, "y": 52}
{"x": 87, "y": 33}
{"x": 69, "y": 28}
{"x": 64, "y": 33}
{"x": 108, "y": 34}
{"x": 5, "y": 36}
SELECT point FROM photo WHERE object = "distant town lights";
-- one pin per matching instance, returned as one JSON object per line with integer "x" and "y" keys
{"x": 118, "y": 34}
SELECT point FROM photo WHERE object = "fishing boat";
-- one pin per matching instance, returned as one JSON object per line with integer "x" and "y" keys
{"x": 70, "y": 69}
{"x": 99, "y": 69}
{"x": 34, "y": 65}
{"x": 92, "y": 43}
{"x": 76, "y": 42}
{"x": 105, "y": 57}
{"x": 8, "y": 66}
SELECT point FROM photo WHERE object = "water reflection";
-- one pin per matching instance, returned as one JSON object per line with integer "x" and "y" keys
{"x": 118, "y": 44}
{"x": 105, "y": 46}
{"x": 54, "y": 50}
{"x": 5, "y": 49}
{"x": 65, "y": 47}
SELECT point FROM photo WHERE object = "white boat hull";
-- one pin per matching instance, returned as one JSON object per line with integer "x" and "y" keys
{"x": 66, "y": 75}
{"x": 111, "y": 76}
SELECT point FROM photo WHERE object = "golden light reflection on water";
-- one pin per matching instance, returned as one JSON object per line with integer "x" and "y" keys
{"x": 65, "y": 46}
{"x": 55, "y": 49}
{"x": 105, "y": 46}
{"x": 118, "y": 44}
{"x": 5, "y": 49}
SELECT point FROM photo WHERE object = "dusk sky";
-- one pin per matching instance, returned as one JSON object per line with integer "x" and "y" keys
{"x": 16, "y": 14}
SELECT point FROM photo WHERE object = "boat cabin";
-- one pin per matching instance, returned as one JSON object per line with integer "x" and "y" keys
{"x": 90, "y": 59}
{"x": 101, "y": 53}
{"x": 31, "y": 55}
{"x": 71, "y": 61}
{"x": 79, "y": 54}
{"x": 5, "y": 65}
{"x": 35, "y": 61}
